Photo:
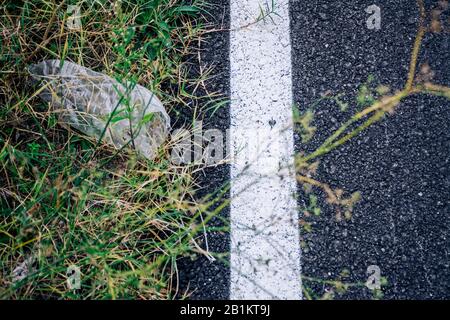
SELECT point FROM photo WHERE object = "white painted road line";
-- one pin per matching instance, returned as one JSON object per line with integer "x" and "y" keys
{"x": 265, "y": 246}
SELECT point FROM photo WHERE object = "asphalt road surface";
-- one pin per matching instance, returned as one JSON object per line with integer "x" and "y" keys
{"x": 400, "y": 166}
{"x": 205, "y": 279}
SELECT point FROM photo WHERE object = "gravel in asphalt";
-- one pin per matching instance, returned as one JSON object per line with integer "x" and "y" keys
{"x": 205, "y": 279}
{"x": 400, "y": 165}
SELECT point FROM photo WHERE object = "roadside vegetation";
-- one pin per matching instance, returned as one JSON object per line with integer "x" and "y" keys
{"x": 72, "y": 208}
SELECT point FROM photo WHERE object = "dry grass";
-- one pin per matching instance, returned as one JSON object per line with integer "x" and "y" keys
{"x": 64, "y": 200}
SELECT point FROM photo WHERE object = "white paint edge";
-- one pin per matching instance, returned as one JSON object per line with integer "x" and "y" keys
{"x": 265, "y": 245}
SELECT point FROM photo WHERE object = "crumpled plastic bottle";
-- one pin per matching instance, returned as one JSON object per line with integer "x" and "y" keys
{"x": 102, "y": 107}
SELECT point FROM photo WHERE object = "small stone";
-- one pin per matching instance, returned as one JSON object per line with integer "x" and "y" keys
{"x": 323, "y": 16}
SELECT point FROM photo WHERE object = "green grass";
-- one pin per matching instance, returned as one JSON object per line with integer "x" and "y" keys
{"x": 66, "y": 200}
